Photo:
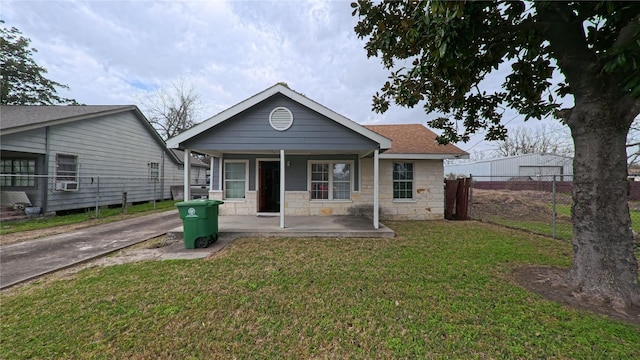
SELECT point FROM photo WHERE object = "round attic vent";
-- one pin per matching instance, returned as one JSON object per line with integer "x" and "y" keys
{"x": 281, "y": 118}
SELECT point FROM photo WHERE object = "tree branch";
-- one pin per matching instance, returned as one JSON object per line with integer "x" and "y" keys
{"x": 628, "y": 34}
{"x": 568, "y": 43}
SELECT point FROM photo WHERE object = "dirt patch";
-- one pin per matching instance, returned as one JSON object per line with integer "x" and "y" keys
{"x": 507, "y": 204}
{"x": 550, "y": 283}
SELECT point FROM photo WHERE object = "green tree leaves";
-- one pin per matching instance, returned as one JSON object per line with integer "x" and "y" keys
{"x": 453, "y": 46}
{"x": 22, "y": 81}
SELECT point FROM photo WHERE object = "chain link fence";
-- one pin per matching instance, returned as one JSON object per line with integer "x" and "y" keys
{"x": 540, "y": 204}
{"x": 49, "y": 194}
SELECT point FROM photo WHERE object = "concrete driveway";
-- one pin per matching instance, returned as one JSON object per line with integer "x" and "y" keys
{"x": 26, "y": 260}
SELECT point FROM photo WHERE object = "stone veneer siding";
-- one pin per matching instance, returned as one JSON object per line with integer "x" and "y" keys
{"x": 428, "y": 190}
{"x": 247, "y": 206}
{"x": 428, "y": 202}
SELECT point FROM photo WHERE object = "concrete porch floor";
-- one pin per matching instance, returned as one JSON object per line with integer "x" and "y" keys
{"x": 296, "y": 226}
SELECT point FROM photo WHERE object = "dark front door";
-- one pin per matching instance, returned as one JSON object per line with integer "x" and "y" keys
{"x": 269, "y": 186}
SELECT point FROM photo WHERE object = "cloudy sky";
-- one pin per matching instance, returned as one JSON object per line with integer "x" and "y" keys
{"x": 112, "y": 52}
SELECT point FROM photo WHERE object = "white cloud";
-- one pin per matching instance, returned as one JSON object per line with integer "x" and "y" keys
{"x": 109, "y": 52}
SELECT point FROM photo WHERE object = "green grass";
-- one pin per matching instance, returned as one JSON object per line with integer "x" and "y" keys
{"x": 105, "y": 216}
{"x": 437, "y": 290}
{"x": 564, "y": 229}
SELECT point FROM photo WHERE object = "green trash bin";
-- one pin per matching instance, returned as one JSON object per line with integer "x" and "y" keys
{"x": 199, "y": 221}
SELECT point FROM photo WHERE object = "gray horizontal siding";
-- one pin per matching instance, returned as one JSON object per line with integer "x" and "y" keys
{"x": 296, "y": 175}
{"x": 114, "y": 147}
{"x": 32, "y": 141}
{"x": 250, "y": 130}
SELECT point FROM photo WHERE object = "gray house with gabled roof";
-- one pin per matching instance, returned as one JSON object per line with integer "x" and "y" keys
{"x": 75, "y": 157}
{"x": 281, "y": 153}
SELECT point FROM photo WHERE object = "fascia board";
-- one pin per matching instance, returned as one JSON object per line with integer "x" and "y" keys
{"x": 424, "y": 156}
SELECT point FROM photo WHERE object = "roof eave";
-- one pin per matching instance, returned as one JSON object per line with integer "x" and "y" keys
{"x": 423, "y": 156}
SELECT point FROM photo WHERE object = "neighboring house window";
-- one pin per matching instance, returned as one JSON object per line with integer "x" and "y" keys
{"x": 235, "y": 179}
{"x": 402, "y": 180}
{"x": 154, "y": 171}
{"x": 66, "y": 167}
{"x": 330, "y": 180}
{"x": 25, "y": 168}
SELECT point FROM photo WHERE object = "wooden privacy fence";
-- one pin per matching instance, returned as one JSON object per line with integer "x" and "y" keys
{"x": 456, "y": 201}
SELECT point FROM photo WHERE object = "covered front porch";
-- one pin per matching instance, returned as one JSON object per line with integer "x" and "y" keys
{"x": 280, "y": 153}
{"x": 297, "y": 226}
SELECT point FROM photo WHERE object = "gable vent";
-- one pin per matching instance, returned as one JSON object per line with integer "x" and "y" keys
{"x": 281, "y": 118}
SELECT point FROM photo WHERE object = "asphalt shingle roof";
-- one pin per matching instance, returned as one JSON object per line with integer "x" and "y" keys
{"x": 413, "y": 139}
{"x": 18, "y": 116}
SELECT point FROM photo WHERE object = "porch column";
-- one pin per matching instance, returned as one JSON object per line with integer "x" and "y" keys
{"x": 187, "y": 174}
{"x": 220, "y": 178}
{"x": 282, "y": 175}
{"x": 376, "y": 188}
{"x": 210, "y": 176}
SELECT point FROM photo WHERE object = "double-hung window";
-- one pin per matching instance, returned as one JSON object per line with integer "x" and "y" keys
{"x": 320, "y": 181}
{"x": 22, "y": 173}
{"x": 154, "y": 171}
{"x": 235, "y": 179}
{"x": 330, "y": 180}
{"x": 402, "y": 181}
{"x": 66, "y": 167}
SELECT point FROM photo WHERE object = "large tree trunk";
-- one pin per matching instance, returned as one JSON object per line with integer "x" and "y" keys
{"x": 604, "y": 266}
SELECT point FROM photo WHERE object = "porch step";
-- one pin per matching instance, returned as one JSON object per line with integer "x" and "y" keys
{"x": 8, "y": 213}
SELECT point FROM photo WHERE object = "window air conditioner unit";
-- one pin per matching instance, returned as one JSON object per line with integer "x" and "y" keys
{"x": 67, "y": 186}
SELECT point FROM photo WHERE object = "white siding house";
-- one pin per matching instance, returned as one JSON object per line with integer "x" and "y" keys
{"x": 538, "y": 166}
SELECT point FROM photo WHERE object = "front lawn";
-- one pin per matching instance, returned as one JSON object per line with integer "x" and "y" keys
{"x": 437, "y": 290}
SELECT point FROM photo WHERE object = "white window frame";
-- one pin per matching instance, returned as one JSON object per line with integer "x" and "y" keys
{"x": 413, "y": 179}
{"x": 154, "y": 171}
{"x": 331, "y": 163}
{"x": 246, "y": 178}
{"x": 67, "y": 176}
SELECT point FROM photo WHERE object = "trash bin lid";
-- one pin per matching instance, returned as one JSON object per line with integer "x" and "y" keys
{"x": 197, "y": 202}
